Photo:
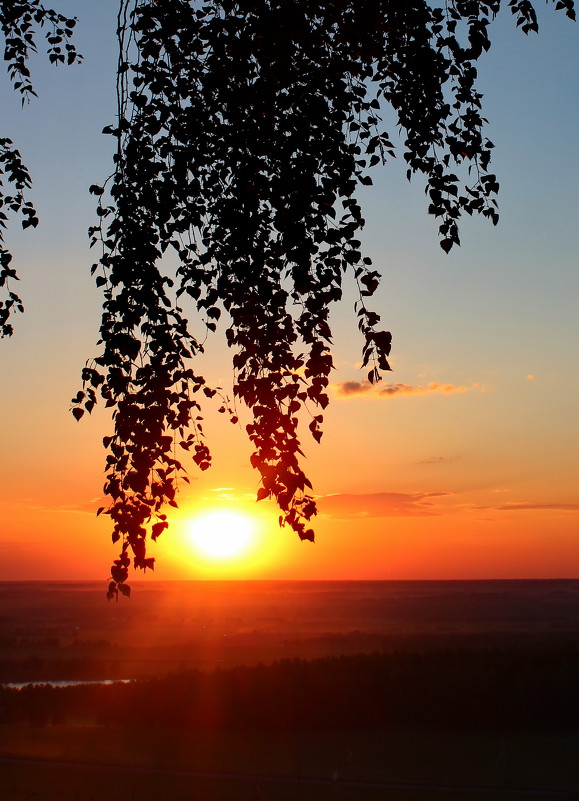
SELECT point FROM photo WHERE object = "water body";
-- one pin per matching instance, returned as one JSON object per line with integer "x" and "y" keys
{"x": 15, "y": 685}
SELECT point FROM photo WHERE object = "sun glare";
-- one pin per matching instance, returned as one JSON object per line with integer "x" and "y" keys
{"x": 222, "y": 535}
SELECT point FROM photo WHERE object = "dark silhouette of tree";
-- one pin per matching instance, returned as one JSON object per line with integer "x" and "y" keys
{"x": 243, "y": 131}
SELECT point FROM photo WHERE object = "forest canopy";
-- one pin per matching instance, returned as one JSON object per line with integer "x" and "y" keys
{"x": 243, "y": 131}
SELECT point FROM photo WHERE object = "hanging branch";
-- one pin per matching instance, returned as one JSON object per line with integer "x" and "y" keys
{"x": 244, "y": 130}
{"x": 20, "y": 21}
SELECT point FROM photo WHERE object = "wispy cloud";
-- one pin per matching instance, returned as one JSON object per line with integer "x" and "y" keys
{"x": 524, "y": 506}
{"x": 521, "y": 507}
{"x": 36, "y": 505}
{"x": 347, "y": 389}
{"x": 439, "y": 460}
{"x": 380, "y": 504}
{"x": 352, "y": 387}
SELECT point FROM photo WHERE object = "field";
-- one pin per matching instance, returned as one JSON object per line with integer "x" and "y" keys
{"x": 398, "y": 765}
{"x": 50, "y": 632}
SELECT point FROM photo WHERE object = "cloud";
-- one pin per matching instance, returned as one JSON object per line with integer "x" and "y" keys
{"x": 36, "y": 505}
{"x": 225, "y": 495}
{"x": 439, "y": 460}
{"x": 353, "y": 388}
{"x": 379, "y": 504}
{"x": 521, "y": 507}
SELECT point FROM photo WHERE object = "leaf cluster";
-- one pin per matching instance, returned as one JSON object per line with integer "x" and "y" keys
{"x": 244, "y": 129}
{"x": 20, "y": 21}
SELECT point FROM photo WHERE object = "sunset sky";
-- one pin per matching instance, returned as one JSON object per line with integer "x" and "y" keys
{"x": 461, "y": 464}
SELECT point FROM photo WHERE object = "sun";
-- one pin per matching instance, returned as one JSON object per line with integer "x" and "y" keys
{"x": 222, "y": 535}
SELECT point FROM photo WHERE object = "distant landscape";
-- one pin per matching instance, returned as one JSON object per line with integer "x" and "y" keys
{"x": 60, "y": 630}
{"x": 391, "y": 690}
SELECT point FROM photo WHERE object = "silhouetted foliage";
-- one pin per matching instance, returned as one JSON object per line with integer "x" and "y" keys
{"x": 19, "y": 23}
{"x": 243, "y": 131}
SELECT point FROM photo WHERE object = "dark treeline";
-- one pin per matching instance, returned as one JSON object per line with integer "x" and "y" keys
{"x": 459, "y": 688}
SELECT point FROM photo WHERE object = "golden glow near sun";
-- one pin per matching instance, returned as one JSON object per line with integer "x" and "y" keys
{"x": 222, "y": 535}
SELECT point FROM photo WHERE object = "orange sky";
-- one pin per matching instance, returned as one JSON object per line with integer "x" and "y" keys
{"x": 463, "y": 464}
{"x": 393, "y": 502}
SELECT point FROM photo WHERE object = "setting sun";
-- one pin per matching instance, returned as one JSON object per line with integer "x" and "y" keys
{"x": 222, "y": 535}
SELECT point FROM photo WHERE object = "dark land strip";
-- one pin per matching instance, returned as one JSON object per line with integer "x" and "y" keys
{"x": 522, "y": 792}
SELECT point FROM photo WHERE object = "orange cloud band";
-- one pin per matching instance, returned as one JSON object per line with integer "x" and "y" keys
{"x": 353, "y": 388}
{"x": 380, "y": 504}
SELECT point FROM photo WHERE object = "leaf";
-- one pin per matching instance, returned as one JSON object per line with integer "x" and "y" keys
{"x": 158, "y": 529}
